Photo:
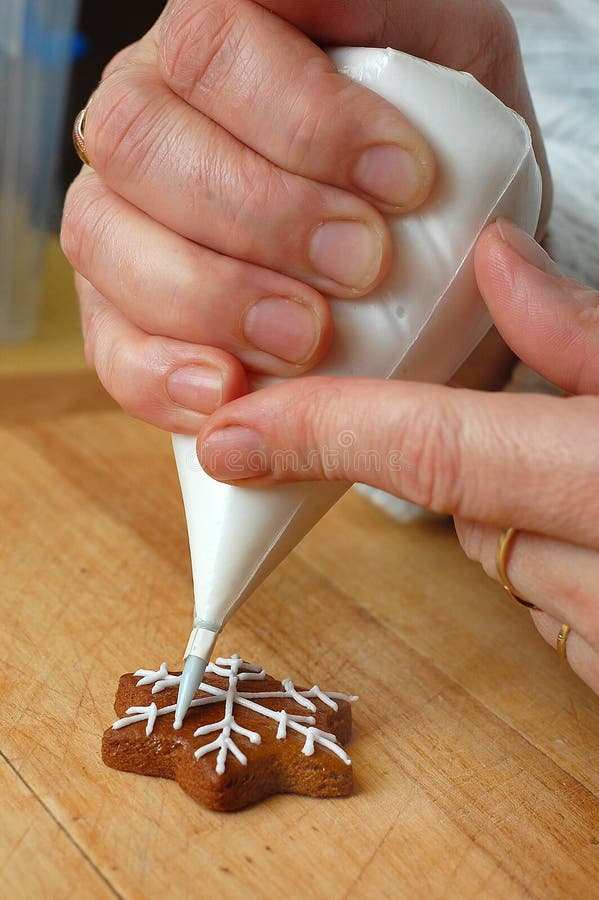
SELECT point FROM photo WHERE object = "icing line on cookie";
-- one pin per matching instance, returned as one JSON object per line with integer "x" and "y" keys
{"x": 236, "y": 670}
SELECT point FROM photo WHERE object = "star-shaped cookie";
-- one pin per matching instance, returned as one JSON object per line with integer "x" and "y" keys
{"x": 245, "y": 737}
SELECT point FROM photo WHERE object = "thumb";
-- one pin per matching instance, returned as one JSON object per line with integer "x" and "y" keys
{"x": 550, "y": 322}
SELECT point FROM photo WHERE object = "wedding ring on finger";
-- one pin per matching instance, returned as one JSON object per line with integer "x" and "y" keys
{"x": 79, "y": 136}
{"x": 501, "y": 560}
{"x": 560, "y": 643}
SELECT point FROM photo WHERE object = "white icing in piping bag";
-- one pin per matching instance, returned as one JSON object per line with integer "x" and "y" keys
{"x": 420, "y": 324}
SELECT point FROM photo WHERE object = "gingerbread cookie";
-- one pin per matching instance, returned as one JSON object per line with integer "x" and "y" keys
{"x": 246, "y": 735}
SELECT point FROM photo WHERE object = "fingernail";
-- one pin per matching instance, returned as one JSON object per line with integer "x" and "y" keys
{"x": 283, "y": 328}
{"x": 199, "y": 388}
{"x": 526, "y": 247}
{"x": 233, "y": 453}
{"x": 349, "y": 252}
{"x": 389, "y": 173}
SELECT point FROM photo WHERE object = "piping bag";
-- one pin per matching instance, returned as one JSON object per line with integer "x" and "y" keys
{"x": 420, "y": 324}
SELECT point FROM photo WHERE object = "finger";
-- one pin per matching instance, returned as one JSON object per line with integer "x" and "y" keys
{"x": 558, "y": 577}
{"x": 277, "y": 92}
{"x": 169, "y": 286}
{"x": 551, "y": 322}
{"x": 452, "y": 35}
{"x": 188, "y": 173}
{"x": 528, "y": 460}
{"x": 170, "y": 384}
{"x": 582, "y": 658}
{"x": 464, "y": 35}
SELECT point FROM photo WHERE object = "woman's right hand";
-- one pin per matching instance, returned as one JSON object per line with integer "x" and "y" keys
{"x": 237, "y": 178}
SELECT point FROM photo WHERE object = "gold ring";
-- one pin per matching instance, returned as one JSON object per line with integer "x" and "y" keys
{"x": 501, "y": 553}
{"x": 560, "y": 644}
{"x": 79, "y": 136}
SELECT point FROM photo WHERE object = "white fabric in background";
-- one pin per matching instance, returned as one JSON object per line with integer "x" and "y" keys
{"x": 560, "y": 44}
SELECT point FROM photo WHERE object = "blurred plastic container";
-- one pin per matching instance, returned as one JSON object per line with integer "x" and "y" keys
{"x": 36, "y": 46}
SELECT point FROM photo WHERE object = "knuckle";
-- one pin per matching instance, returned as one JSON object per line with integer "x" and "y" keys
{"x": 86, "y": 217}
{"x": 253, "y": 188}
{"x": 199, "y": 43}
{"x": 129, "y": 368}
{"x": 436, "y": 458}
{"x": 113, "y": 357}
{"x": 74, "y": 221}
{"x": 70, "y": 242}
{"x": 254, "y": 194}
{"x": 299, "y": 440}
{"x": 188, "y": 308}
{"x": 120, "y": 371}
{"x": 311, "y": 122}
{"x": 95, "y": 328}
{"x": 321, "y": 434}
{"x": 85, "y": 294}
{"x": 126, "y": 121}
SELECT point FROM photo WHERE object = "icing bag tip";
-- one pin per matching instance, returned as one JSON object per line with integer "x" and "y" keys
{"x": 191, "y": 678}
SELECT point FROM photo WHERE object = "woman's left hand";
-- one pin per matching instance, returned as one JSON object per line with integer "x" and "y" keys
{"x": 492, "y": 460}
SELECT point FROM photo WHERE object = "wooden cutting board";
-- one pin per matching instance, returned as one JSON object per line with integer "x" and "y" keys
{"x": 475, "y": 750}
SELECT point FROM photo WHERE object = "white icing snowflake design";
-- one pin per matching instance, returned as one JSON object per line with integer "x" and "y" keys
{"x": 236, "y": 670}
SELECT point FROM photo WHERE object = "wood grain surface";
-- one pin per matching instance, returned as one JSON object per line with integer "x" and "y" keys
{"x": 475, "y": 750}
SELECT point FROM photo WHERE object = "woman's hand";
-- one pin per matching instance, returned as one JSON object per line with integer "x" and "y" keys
{"x": 491, "y": 460}
{"x": 237, "y": 177}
